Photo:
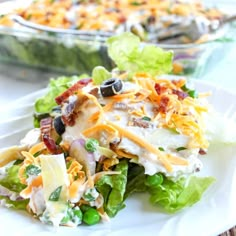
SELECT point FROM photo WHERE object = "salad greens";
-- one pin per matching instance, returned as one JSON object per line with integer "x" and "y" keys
{"x": 129, "y": 55}
{"x": 11, "y": 180}
{"x": 13, "y": 186}
{"x": 176, "y": 195}
{"x": 113, "y": 189}
{"x": 55, "y": 88}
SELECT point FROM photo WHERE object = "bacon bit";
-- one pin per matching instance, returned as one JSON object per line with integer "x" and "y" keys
{"x": 120, "y": 106}
{"x": 160, "y": 89}
{"x": 46, "y": 125}
{"x": 94, "y": 92}
{"x": 163, "y": 104}
{"x": 122, "y": 19}
{"x": 181, "y": 95}
{"x": 72, "y": 111}
{"x": 79, "y": 85}
{"x": 69, "y": 117}
{"x": 51, "y": 144}
{"x": 45, "y": 128}
{"x": 141, "y": 123}
{"x": 202, "y": 152}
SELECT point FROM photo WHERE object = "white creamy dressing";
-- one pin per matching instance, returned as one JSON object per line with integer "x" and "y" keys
{"x": 31, "y": 138}
{"x": 158, "y": 137}
{"x": 37, "y": 203}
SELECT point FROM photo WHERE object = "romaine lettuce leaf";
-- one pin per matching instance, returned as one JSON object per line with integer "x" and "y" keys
{"x": 18, "y": 205}
{"x": 55, "y": 88}
{"x": 112, "y": 187}
{"x": 100, "y": 74}
{"x": 11, "y": 180}
{"x": 129, "y": 55}
{"x": 136, "y": 180}
{"x": 174, "y": 196}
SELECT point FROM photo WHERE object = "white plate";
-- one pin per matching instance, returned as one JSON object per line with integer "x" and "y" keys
{"x": 214, "y": 214}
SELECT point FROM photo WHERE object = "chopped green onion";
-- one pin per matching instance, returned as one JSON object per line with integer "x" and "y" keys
{"x": 192, "y": 94}
{"x": 90, "y": 194}
{"x": 17, "y": 162}
{"x": 161, "y": 149}
{"x": 146, "y": 118}
{"x": 55, "y": 195}
{"x": 180, "y": 149}
{"x": 32, "y": 170}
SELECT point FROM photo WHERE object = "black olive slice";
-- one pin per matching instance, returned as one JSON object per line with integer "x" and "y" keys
{"x": 59, "y": 125}
{"x": 111, "y": 87}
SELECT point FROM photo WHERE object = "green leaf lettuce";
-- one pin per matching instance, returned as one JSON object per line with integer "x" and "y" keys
{"x": 129, "y": 55}
{"x": 113, "y": 189}
{"x": 174, "y": 196}
{"x": 55, "y": 88}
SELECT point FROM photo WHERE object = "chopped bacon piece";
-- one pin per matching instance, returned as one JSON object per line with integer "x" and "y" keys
{"x": 45, "y": 128}
{"x": 139, "y": 122}
{"x": 72, "y": 110}
{"x": 160, "y": 89}
{"x": 121, "y": 106}
{"x": 181, "y": 95}
{"x": 51, "y": 144}
{"x": 46, "y": 125}
{"x": 163, "y": 104}
{"x": 202, "y": 152}
{"x": 80, "y": 84}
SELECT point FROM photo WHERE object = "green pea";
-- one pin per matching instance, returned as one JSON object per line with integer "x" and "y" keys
{"x": 91, "y": 216}
{"x": 91, "y": 145}
{"x": 154, "y": 180}
{"x": 84, "y": 208}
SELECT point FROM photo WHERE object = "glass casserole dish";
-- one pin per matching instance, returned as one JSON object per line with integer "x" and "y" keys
{"x": 55, "y": 49}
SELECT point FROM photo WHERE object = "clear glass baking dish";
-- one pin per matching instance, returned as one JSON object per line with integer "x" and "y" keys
{"x": 72, "y": 54}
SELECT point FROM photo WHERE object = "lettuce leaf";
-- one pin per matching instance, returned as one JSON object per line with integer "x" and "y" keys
{"x": 55, "y": 88}
{"x": 113, "y": 189}
{"x": 135, "y": 180}
{"x": 18, "y": 205}
{"x": 129, "y": 55}
{"x": 100, "y": 74}
{"x": 11, "y": 180}
{"x": 174, "y": 196}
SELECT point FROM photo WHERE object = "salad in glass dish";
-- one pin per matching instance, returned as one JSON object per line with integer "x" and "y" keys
{"x": 98, "y": 140}
{"x": 166, "y": 22}
{"x": 67, "y": 37}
